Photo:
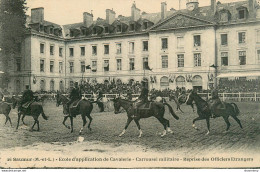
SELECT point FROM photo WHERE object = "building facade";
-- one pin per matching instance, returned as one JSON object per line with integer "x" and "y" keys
{"x": 189, "y": 48}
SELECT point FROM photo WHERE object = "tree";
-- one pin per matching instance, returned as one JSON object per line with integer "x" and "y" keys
{"x": 12, "y": 31}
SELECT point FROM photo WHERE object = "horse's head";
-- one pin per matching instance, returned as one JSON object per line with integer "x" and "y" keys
{"x": 117, "y": 105}
{"x": 190, "y": 97}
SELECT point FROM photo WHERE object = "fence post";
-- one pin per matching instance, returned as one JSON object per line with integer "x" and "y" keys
{"x": 223, "y": 97}
{"x": 239, "y": 99}
{"x": 255, "y": 97}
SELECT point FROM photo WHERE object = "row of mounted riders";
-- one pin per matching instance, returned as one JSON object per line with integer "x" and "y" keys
{"x": 142, "y": 108}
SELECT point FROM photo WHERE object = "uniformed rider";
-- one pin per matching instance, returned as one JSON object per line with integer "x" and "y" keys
{"x": 214, "y": 101}
{"x": 143, "y": 98}
{"x": 75, "y": 94}
{"x": 27, "y": 95}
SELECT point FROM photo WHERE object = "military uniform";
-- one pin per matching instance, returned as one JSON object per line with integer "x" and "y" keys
{"x": 27, "y": 96}
{"x": 214, "y": 102}
{"x": 74, "y": 94}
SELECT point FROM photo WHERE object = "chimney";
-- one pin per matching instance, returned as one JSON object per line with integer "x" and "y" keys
{"x": 163, "y": 10}
{"x": 251, "y": 8}
{"x": 135, "y": 12}
{"x": 213, "y": 6}
{"x": 87, "y": 19}
{"x": 37, "y": 15}
{"x": 110, "y": 16}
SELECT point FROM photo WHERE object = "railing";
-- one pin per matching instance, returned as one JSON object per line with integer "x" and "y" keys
{"x": 239, "y": 97}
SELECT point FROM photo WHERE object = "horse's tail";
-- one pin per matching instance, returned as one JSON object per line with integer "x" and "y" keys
{"x": 43, "y": 114}
{"x": 237, "y": 111}
{"x": 171, "y": 110}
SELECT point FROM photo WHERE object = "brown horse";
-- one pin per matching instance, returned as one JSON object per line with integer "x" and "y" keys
{"x": 84, "y": 108}
{"x": 204, "y": 111}
{"x": 156, "y": 109}
{"x": 5, "y": 109}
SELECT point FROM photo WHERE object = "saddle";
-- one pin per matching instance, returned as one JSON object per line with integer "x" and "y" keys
{"x": 75, "y": 103}
{"x": 144, "y": 106}
{"x": 27, "y": 104}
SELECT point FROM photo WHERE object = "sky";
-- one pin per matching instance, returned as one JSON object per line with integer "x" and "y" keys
{"x": 71, "y": 11}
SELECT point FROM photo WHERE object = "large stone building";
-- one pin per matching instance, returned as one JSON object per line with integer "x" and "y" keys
{"x": 178, "y": 45}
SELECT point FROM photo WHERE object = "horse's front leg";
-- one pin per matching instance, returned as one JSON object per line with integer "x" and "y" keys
{"x": 139, "y": 128}
{"x": 193, "y": 123}
{"x": 23, "y": 119}
{"x": 64, "y": 120}
{"x": 208, "y": 125}
{"x": 129, "y": 120}
{"x": 18, "y": 121}
{"x": 71, "y": 123}
{"x": 84, "y": 123}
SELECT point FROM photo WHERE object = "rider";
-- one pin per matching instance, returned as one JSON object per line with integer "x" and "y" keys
{"x": 143, "y": 98}
{"x": 100, "y": 95}
{"x": 215, "y": 102}
{"x": 27, "y": 96}
{"x": 74, "y": 94}
{"x": 129, "y": 94}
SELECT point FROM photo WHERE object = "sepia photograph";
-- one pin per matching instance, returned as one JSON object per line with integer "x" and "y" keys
{"x": 130, "y": 84}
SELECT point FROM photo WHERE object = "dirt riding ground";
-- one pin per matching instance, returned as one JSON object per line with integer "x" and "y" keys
{"x": 55, "y": 140}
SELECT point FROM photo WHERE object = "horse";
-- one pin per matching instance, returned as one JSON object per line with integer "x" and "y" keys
{"x": 84, "y": 108}
{"x": 5, "y": 109}
{"x": 156, "y": 109}
{"x": 34, "y": 110}
{"x": 204, "y": 112}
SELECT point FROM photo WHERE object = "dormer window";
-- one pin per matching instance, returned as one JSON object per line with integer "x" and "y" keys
{"x": 94, "y": 31}
{"x": 83, "y": 31}
{"x": 132, "y": 27}
{"x": 45, "y": 29}
{"x": 241, "y": 14}
{"x": 106, "y": 29}
{"x": 224, "y": 17}
{"x": 51, "y": 30}
{"x": 41, "y": 28}
{"x": 145, "y": 25}
{"x": 119, "y": 28}
{"x": 71, "y": 33}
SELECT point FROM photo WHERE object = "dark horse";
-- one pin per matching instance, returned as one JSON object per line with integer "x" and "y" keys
{"x": 156, "y": 109}
{"x": 204, "y": 111}
{"x": 84, "y": 108}
{"x": 5, "y": 109}
{"x": 34, "y": 110}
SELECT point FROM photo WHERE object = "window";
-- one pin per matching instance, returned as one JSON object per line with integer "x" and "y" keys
{"x": 94, "y": 50}
{"x": 197, "y": 42}
{"x": 118, "y": 48}
{"x": 51, "y": 30}
{"x": 71, "y": 67}
{"x": 131, "y": 47}
{"x": 224, "y": 17}
{"x": 132, "y": 27}
{"x": 94, "y": 31}
{"x": 71, "y": 84}
{"x": 71, "y": 52}
{"x": 224, "y": 59}
{"x": 145, "y": 25}
{"x": 106, "y": 29}
{"x": 164, "y": 62}
{"x": 82, "y": 51}
{"x": 180, "y": 42}
{"x": 164, "y": 43}
{"x": 106, "y": 49}
{"x": 51, "y": 50}
{"x": 82, "y": 64}
{"x": 258, "y": 36}
{"x": 242, "y": 57}
{"x": 18, "y": 65}
{"x": 224, "y": 39}
{"x": 145, "y": 45}
{"x": 51, "y": 66}
{"x": 52, "y": 85}
{"x": 41, "y": 65}
{"x": 131, "y": 64}
{"x": 106, "y": 65}
{"x": 242, "y": 14}
{"x": 118, "y": 64}
{"x": 242, "y": 37}
{"x": 94, "y": 66}
{"x": 180, "y": 60}
{"x": 60, "y": 52}
{"x": 197, "y": 59}
{"x": 145, "y": 63}
{"x": 258, "y": 56}
{"x": 41, "y": 48}
{"x": 60, "y": 67}
{"x": 119, "y": 28}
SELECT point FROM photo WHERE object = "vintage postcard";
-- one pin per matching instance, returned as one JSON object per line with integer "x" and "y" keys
{"x": 130, "y": 84}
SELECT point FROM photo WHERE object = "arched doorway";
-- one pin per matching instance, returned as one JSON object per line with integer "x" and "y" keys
{"x": 51, "y": 85}
{"x": 180, "y": 81}
{"x": 42, "y": 85}
{"x": 164, "y": 82}
{"x": 61, "y": 86}
{"x": 18, "y": 86}
{"x": 197, "y": 82}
